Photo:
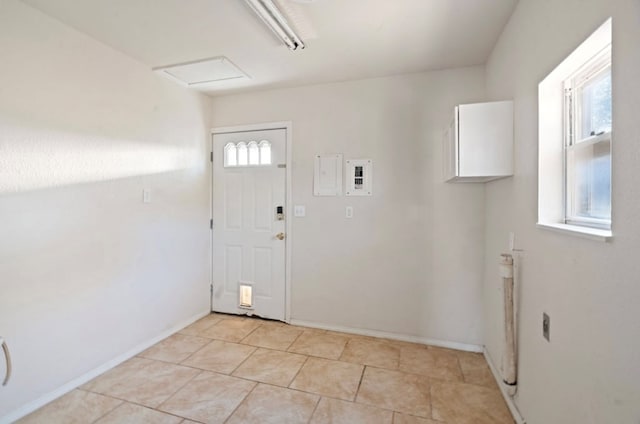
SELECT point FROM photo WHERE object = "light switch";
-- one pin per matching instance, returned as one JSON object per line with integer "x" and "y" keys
{"x": 299, "y": 211}
{"x": 349, "y": 212}
{"x": 146, "y": 195}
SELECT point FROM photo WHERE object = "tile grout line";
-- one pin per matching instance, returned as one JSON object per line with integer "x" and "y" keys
{"x": 174, "y": 415}
{"x": 255, "y": 349}
{"x": 170, "y": 413}
{"x": 314, "y": 409}
{"x": 248, "y": 334}
{"x": 344, "y": 349}
{"x": 179, "y": 388}
{"x": 124, "y": 402}
{"x": 211, "y": 340}
{"x": 191, "y": 354}
{"x": 132, "y": 402}
{"x": 355, "y": 396}
{"x": 316, "y": 356}
{"x": 382, "y": 408}
{"x": 297, "y": 373}
{"x": 109, "y": 411}
{"x": 198, "y": 334}
{"x": 236, "y": 377}
{"x": 285, "y": 350}
{"x": 100, "y": 393}
{"x": 241, "y": 402}
{"x": 293, "y": 341}
{"x": 295, "y": 390}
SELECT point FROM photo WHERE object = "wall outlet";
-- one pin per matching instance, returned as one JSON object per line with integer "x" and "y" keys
{"x": 146, "y": 195}
{"x": 546, "y": 326}
{"x": 348, "y": 213}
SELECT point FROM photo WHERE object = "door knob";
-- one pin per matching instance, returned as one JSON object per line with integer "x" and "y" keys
{"x": 280, "y": 236}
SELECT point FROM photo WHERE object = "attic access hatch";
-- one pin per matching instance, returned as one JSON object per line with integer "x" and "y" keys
{"x": 200, "y": 72}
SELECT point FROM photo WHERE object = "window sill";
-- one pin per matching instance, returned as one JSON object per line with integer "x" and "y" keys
{"x": 575, "y": 230}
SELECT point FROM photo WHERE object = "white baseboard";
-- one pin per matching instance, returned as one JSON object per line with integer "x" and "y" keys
{"x": 77, "y": 382}
{"x": 386, "y": 335}
{"x": 505, "y": 390}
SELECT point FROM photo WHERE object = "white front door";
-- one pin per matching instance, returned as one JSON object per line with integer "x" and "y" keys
{"x": 249, "y": 192}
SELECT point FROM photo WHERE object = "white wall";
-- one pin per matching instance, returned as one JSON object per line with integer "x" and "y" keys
{"x": 590, "y": 371}
{"x": 87, "y": 271}
{"x": 410, "y": 261}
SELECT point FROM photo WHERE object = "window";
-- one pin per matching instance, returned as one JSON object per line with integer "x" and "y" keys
{"x": 247, "y": 154}
{"x": 265, "y": 153}
{"x": 230, "y": 155}
{"x": 243, "y": 154}
{"x": 574, "y": 141}
{"x": 254, "y": 153}
{"x": 588, "y": 144}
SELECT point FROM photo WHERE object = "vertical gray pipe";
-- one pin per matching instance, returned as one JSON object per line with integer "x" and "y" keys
{"x": 509, "y": 373}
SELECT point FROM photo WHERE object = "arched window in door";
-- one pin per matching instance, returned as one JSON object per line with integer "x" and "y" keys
{"x": 247, "y": 154}
{"x": 243, "y": 154}
{"x": 265, "y": 153}
{"x": 254, "y": 153}
{"x": 230, "y": 155}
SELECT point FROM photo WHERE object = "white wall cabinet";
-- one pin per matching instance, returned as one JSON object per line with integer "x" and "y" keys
{"x": 478, "y": 144}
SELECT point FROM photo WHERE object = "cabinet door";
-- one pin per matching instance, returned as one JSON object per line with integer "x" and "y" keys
{"x": 485, "y": 139}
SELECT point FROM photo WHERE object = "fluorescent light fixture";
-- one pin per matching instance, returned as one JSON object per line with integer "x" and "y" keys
{"x": 201, "y": 72}
{"x": 275, "y": 20}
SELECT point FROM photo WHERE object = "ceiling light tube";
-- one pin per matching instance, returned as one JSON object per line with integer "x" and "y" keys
{"x": 282, "y": 22}
{"x": 271, "y": 16}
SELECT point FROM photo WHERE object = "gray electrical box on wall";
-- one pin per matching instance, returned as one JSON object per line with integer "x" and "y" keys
{"x": 327, "y": 175}
{"x": 359, "y": 177}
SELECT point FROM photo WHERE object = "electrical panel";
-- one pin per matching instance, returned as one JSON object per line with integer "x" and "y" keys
{"x": 359, "y": 177}
{"x": 327, "y": 177}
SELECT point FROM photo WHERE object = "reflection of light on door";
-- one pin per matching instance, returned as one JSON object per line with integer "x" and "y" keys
{"x": 246, "y": 296}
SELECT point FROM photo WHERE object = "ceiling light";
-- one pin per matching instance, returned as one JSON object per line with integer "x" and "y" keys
{"x": 275, "y": 20}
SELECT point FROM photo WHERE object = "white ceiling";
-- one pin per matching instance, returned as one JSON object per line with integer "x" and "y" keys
{"x": 345, "y": 39}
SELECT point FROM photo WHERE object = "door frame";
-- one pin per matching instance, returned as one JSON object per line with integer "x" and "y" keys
{"x": 288, "y": 127}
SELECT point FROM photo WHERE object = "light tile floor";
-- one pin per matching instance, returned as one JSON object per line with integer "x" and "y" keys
{"x": 229, "y": 369}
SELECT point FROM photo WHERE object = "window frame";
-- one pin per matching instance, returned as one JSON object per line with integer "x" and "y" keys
{"x": 551, "y": 133}
{"x": 573, "y": 141}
